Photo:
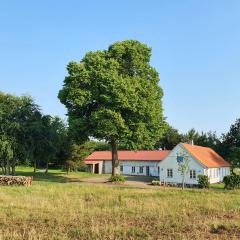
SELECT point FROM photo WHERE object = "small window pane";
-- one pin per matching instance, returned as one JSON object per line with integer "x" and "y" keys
{"x": 193, "y": 174}
{"x": 169, "y": 173}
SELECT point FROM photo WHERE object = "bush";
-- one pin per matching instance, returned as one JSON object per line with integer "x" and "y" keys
{"x": 156, "y": 183}
{"x": 232, "y": 181}
{"x": 117, "y": 178}
{"x": 203, "y": 181}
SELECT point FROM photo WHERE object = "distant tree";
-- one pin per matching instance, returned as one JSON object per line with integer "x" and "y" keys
{"x": 54, "y": 137}
{"x": 101, "y": 146}
{"x": 79, "y": 153}
{"x": 170, "y": 138}
{"x": 61, "y": 141}
{"x": 231, "y": 144}
{"x": 114, "y": 95}
{"x": 26, "y": 136}
{"x": 15, "y": 115}
{"x": 6, "y": 154}
{"x": 191, "y": 135}
{"x": 209, "y": 139}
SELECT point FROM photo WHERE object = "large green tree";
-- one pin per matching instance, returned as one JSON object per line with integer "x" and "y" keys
{"x": 114, "y": 95}
{"x": 29, "y": 138}
{"x": 15, "y": 115}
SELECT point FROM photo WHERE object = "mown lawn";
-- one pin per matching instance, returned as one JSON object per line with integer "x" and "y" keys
{"x": 58, "y": 206}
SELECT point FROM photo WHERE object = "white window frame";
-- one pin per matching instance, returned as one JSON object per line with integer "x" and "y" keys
{"x": 169, "y": 173}
{"x": 121, "y": 168}
{"x": 133, "y": 169}
{"x": 193, "y": 174}
{"x": 141, "y": 169}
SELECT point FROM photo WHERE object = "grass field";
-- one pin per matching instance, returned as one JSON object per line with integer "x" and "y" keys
{"x": 57, "y": 206}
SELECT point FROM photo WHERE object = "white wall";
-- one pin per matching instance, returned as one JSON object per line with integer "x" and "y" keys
{"x": 170, "y": 162}
{"x": 127, "y": 167}
{"x": 217, "y": 174}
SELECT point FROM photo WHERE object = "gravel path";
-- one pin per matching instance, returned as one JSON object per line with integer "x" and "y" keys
{"x": 131, "y": 181}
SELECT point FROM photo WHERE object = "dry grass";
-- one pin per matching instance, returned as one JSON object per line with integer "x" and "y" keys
{"x": 61, "y": 210}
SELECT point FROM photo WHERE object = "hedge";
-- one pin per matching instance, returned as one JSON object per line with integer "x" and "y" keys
{"x": 232, "y": 181}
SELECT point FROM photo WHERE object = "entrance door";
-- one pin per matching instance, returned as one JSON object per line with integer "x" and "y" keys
{"x": 96, "y": 170}
{"x": 147, "y": 171}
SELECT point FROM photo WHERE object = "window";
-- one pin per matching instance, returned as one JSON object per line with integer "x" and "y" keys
{"x": 169, "y": 173}
{"x": 141, "y": 169}
{"x": 133, "y": 169}
{"x": 121, "y": 168}
{"x": 193, "y": 174}
{"x": 180, "y": 159}
{"x": 158, "y": 170}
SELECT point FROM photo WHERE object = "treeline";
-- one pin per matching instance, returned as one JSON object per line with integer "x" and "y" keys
{"x": 227, "y": 145}
{"x": 30, "y": 138}
{"x": 27, "y": 137}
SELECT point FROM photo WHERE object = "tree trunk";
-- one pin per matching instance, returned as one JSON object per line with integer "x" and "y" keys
{"x": 8, "y": 167}
{"x": 3, "y": 165}
{"x": 68, "y": 169}
{"x": 46, "y": 171}
{"x": 35, "y": 166}
{"x": 13, "y": 170}
{"x": 5, "y": 168}
{"x": 183, "y": 181}
{"x": 115, "y": 162}
{"x": 14, "y": 161}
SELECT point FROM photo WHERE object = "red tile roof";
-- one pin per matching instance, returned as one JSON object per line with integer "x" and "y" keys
{"x": 129, "y": 155}
{"x": 207, "y": 156}
{"x": 91, "y": 162}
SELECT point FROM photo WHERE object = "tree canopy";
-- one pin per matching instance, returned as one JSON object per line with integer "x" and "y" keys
{"x": 27, "y": 136}
{"x": 115, "y": 95}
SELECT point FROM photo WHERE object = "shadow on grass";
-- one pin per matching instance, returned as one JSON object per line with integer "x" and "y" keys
{"x": 49, "y": 177}
{"x": 143, "y": 179}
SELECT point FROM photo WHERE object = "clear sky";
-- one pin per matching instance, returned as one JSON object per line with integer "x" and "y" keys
{"x": 195, "y": 48}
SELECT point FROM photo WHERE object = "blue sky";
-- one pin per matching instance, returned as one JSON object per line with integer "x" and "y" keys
{"x": 195, "y": 48}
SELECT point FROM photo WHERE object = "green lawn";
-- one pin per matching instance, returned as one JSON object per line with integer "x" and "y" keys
{"x": 58, "y": 206}
{"x": 54, "y": 176}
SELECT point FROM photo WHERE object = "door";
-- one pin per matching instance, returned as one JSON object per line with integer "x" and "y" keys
{"x": 96, "y": 170}
{"x": 147, "y": 171}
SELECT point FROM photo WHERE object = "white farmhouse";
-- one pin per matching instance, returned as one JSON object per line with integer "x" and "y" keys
{"x": 165, "y": 164}
{"x": 142, "y": 163}
{"x": 201, "y": 161}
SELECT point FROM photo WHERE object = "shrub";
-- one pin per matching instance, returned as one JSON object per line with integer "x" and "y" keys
{"x": 156, "y": 183}
{"x": 232, "y": 181}
{"x": 117, "y": 178}
{"x": 203, "y": 181}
